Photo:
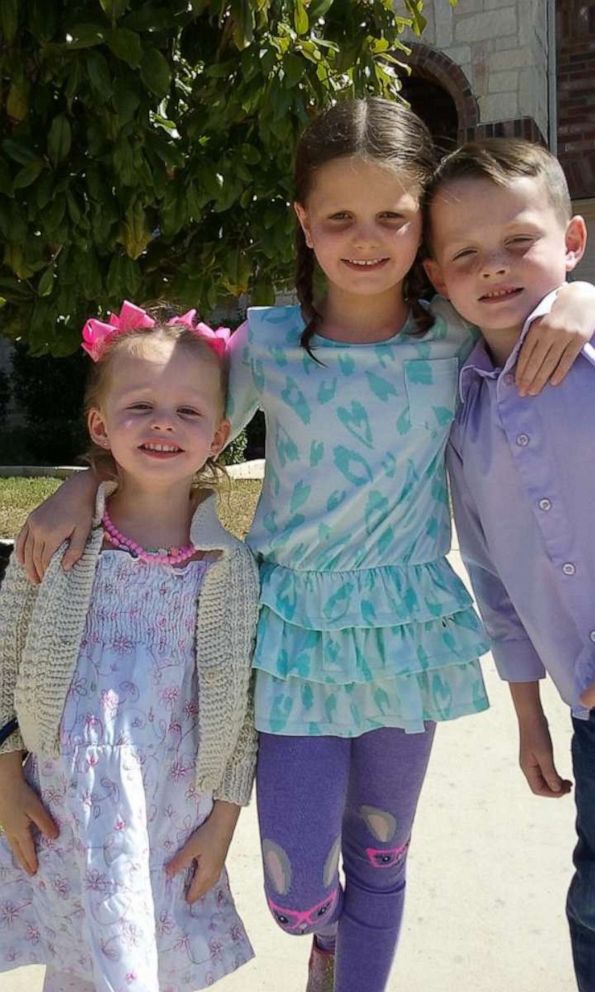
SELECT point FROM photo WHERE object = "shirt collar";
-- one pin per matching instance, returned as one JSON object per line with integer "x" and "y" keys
{"x": 479, "y": 363}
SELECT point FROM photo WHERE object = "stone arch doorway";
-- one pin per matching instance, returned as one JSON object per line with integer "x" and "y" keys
{"x": 440, "y": 93}
{"x": 437, "y": 109}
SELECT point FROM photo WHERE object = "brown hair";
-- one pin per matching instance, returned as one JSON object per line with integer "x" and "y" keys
{"x": 500, "y": 160}
{"x": 135, "y": 342}
{"x": 380, "y": 131}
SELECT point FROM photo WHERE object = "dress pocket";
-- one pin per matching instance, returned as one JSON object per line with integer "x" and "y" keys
{"x": 432, "y": 388}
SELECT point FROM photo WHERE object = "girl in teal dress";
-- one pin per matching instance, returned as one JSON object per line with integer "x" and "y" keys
{"x": 366, "y": 637}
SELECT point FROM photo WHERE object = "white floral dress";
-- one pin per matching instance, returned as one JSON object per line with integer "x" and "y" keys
{"x": 123, "y": 795}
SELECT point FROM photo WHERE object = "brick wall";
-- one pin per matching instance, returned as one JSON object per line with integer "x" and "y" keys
{"x": 575, "y": 31}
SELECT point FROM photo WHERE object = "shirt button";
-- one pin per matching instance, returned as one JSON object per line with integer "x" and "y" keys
{"x": 545, "y": 503}
{"x": 568, "y": 568}
{"x": 592, "y": 636}
{"x": 522, "y": 440}
{"x": 509, "y": 378}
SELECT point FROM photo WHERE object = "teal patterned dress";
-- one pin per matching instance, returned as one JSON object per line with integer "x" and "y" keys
{"x": 363, "y": 623}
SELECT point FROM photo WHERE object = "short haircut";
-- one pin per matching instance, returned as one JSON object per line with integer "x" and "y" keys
{"x": 501, "y": 160}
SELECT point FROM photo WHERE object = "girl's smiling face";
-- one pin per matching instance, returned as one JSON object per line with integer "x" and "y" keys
{"x": 162, "y": 414}
{"x": 364, "y": 224}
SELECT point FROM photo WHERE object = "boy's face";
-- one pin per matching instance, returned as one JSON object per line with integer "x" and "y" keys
{"x": 498, "y": 250}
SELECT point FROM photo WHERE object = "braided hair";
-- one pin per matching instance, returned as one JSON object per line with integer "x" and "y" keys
{"x": 376, "y": 130}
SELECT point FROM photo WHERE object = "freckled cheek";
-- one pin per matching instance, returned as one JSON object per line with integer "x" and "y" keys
{"x": 325, "y": 241}
{"x": 460, "y": 283}
{"x": 127, "y": 424}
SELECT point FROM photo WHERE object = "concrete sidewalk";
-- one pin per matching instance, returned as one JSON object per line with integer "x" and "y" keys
{"x": 488, "y": 871}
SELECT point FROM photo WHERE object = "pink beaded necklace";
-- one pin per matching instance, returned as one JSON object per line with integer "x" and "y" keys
{"x": 152, "y": 556}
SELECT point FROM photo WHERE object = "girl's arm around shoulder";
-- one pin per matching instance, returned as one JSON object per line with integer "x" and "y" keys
{"x": 17, "y": 598}
{"x": 65, "y": 516}
{"x": 552, "y": 345}
{"x": 556, "y": 339}
{"x": 243, "y": 593}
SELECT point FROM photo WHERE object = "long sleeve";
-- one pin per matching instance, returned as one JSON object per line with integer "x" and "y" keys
{"x": 17, "y": 597}
{"x": 243, "y": 596}
{"x": 513, "y": 651}
{"x": 243, "y": 395}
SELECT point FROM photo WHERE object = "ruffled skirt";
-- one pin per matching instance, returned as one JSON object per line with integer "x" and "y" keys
{"x": 343, "y": 653}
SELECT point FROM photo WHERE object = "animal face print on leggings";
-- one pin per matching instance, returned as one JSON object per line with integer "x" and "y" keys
{"x": 382, "y": 826}
{"x": 279, "y": 875}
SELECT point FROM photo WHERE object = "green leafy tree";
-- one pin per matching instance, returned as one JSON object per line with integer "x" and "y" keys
{"x": 147, "y": 144}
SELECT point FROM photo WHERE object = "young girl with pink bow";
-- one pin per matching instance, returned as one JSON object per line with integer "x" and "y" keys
{"x": 127, "y": 682}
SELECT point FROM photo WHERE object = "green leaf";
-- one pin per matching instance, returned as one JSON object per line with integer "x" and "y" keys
{"x": 44, "y": 190}
{"x": 46, "y": 283}
{"x": 250, "y": 154}
{"x": 5, "y": 179}
{"x": 53, "y": 216}
{"x": 12, "y": 223}
{"x": 17, "y": 103}
{"x": 126, "y": 45}
{"x": 150, "y": 18}
{"x": 14, "y": 291}
{"x": 263, "y": 293}
{"x": 28, "y": 174}
{"x": 42, "y": 20}
{"x": 300, "y": 17}
{"x": 114, "y": 8}
{"x": 155, "y": 72}
{"x": 99, "y": 74}
{"x": 242, "y": 19}
{"x": 19, "y": 152}
{"x": 167, "y": 150}
{"x": 74, "y": 80}
{"x": 9, "y": 20}
{"x": 15, "y": 259}
{"x": 59, "y": 139}
{"x": 135, "y": 234}
{"x": 73, "y": 208}
{"x": 85, "y": 36}
{"x": 221, "y": 70}
{"x": 123, "y": 279}
{"x": 126, "y": 101}
{"x": 318, "y": 8}
{"x": 294, "y": 68}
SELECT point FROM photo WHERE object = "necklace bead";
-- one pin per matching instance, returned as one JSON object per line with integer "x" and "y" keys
{"x": 158, "y": 556}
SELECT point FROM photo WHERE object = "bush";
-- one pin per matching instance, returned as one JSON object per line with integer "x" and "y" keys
{"x": 49, "y": 393}
{"x": 4, "y": 394}
{"x": 147, "y": 146}
{"x": 235, "y": 452}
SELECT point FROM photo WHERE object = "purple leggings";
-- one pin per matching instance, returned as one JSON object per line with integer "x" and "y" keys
{"x": 322, "y": 797}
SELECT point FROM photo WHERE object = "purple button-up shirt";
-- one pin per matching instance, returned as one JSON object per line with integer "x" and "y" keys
{"x": 523, "y": 484}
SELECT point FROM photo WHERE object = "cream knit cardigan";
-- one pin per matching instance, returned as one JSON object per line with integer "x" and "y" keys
{"x": 41, "y": 629}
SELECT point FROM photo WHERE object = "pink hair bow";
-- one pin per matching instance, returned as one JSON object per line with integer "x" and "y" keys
{"x": 97, "y": 335}
{"x": 217, "y": 340}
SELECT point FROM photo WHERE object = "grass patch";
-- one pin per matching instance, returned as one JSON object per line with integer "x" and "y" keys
{"x": 18, "y": 497}
{"x": 237, "y": 503}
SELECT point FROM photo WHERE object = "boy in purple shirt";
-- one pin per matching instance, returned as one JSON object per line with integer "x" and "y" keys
{"x": 501, "y": 239}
